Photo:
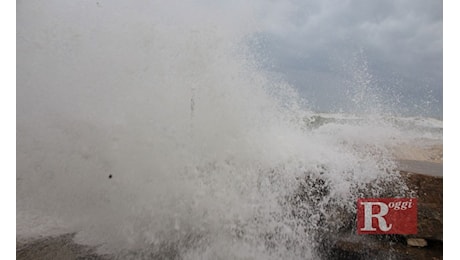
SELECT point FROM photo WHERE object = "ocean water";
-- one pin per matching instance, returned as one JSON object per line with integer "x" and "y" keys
{"x": 151, "y": 132}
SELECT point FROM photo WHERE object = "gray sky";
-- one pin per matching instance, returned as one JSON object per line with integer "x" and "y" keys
{"x": 326, "y": 48}
{"x": 342, "y": 55}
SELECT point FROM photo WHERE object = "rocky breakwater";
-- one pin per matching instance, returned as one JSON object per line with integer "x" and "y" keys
{"x": 424, "y": 182}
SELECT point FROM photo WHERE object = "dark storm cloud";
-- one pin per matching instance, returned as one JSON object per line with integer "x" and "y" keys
{"x": 318, "y": 45}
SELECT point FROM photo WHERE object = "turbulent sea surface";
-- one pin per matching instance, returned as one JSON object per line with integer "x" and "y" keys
{"x": 152, "y": 135}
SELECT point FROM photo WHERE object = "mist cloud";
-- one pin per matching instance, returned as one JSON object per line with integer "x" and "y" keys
{"x": 317, "y": 46}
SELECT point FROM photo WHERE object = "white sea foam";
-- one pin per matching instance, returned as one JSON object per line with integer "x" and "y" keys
{"x": 206, "y": 153}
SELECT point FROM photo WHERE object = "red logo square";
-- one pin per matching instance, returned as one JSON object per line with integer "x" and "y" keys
{"x": 387, "y": 216}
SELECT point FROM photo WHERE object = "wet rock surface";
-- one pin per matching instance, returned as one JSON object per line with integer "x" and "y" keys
{"x": 56, "y": 247}
{"x": 343, "y": 243}
{"x": 382, "y": 247}
{"x": 426, "y": 244}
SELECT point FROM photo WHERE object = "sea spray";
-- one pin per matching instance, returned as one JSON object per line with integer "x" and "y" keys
{"x": 208, "y": 158}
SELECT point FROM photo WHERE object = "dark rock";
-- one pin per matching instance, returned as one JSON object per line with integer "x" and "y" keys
{"x": 354, "y": 246}
{"x": 56, "y": 247}
{"x": 426, "y": 244}
{"x": 428, "y": 190}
